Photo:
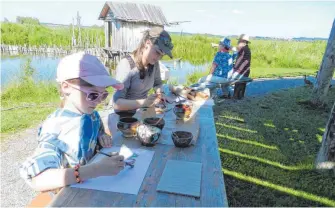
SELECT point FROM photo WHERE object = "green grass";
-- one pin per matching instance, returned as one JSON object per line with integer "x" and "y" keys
{"x": 268, "y": 146}
{"x": 193, "y": 48}
{"x": 43, "y": 94}
{"x": 194, "y": 77}
{"x": 258, "y": 73}
{"x": 38, "y": 35}
{"x": 280, "y": 72}
{"x": 265, "y": 53}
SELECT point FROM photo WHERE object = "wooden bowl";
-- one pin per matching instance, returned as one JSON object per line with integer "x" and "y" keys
{"x": 182, "y": 138}
{"x": 128, "y": 126}
{"x": 154, "y": 121}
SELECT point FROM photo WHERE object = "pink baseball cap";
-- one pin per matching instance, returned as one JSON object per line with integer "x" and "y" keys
{"x": 87, "y": 68}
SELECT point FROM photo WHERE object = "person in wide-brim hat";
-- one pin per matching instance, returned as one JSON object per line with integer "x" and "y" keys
{"x": 243, "y": 38}
{"x": 241, "y": 67}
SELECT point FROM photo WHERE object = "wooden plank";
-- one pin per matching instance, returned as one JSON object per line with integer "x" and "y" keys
{"x": 205, "y": 152}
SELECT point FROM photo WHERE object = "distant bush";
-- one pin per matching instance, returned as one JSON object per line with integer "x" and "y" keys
{"x": 27, "y": 20}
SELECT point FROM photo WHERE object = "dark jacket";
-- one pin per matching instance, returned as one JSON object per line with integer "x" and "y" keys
{"x": 242, "y": 65}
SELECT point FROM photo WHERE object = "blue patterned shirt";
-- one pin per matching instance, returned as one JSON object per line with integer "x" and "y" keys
{"x": 224, "y": 63}
{"x": 65, "y": 139}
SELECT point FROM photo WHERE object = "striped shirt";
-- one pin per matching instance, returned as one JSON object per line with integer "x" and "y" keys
{"x": 65, "y": 139}
{"x": 242, "y": 65}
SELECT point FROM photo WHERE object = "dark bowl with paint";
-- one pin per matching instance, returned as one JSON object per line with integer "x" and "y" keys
{"x": 182, "y": 111}
{"x": 182, "y": 138}
{"x": 154, "y": 121}
{"x": 128, "y": 126}
{"x": 148, "y": 135}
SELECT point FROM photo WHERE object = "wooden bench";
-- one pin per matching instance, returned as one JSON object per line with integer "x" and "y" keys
{"x": 41, "y": 200}
{"x": 239, "y": 86}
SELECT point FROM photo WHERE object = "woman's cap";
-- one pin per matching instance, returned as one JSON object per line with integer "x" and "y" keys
{"x": 162, "y": 39}
{"x": 225, "y": 42}
{"x": 86, "y": 67}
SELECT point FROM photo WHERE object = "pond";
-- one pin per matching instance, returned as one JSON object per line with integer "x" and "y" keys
{"x": 45, "y": 68}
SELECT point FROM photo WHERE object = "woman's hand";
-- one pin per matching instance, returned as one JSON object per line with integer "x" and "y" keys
{"x": 105, "y": 140}
{"x": 151, "y": 100}
{"x": 109, "y": 166}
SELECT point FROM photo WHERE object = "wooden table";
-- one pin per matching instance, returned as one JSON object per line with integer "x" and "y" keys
{"x": 213, "y": 191}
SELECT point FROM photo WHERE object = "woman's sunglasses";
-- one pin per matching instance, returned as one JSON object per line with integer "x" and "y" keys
{"x": 91, "y": 96}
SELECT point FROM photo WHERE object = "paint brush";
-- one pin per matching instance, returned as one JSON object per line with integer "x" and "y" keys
{"x": 130, "y": 164}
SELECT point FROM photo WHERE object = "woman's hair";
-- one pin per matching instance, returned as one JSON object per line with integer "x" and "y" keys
{"x": 138, "y": 52}
{"x": 75, "y": 81}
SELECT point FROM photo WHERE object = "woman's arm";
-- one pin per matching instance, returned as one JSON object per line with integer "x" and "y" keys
{"x": 158, "y": 79}
{"x": 213, "y": 68}
{"x": 125, "y": 104}
{"x": 214, "y": 64}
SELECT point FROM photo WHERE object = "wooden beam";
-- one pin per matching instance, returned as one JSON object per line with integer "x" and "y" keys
{"x": 325, "y": 158}
{"x": 107, "y": 35}
{"x": 325, "y": 74}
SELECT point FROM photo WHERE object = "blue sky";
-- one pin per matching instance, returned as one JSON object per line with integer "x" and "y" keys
{"x": 274, "y": 18}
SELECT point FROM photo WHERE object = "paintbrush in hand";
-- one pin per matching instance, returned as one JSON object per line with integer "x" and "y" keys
{"x": 130, "y": 164}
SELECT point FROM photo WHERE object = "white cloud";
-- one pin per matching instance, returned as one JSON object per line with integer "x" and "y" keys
{"x": 235, "y": 11}
{"x": 200, "y": 10}
{"x": 211, "y": 16}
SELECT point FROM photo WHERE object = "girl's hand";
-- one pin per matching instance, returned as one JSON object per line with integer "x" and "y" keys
{"x": 105, "y": 140}
{"x": 109, "y": 166}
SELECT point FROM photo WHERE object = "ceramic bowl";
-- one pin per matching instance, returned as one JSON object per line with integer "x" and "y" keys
{"x": 182, "y": 138}
{"x": 154, "y": 121}
{"x": 148, "y": 135}
{"x": 182, "y": 111}
{"x": 128, "y": 126}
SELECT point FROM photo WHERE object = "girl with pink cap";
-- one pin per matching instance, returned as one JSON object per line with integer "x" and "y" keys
{"x": 70, "y": 136}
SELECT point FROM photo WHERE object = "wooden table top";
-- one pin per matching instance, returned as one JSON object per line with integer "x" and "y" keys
{"x": 205, "y": 151}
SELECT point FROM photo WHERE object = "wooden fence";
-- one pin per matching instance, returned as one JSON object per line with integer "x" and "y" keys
{"x": 17, "y": 50}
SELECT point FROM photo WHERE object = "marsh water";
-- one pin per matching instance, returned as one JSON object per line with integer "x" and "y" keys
{"x": 45, "y": 68}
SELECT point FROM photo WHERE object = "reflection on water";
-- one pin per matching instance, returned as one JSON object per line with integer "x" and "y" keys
{"x": 180, "y": 69}
{"x": 45, "y": 67}
{"x": 11, "y": 68}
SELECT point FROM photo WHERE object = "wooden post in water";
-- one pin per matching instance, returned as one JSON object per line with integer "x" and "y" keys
{"x": 73, "y": 35}
{"x": 79, "y": 31}
{"x": 107, "y": 31}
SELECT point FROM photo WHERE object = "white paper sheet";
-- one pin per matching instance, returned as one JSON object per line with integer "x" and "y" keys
{"x": 127, "y": 181}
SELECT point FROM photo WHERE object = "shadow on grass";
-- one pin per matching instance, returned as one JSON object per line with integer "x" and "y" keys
{"x": 273, "y": 150}
{"x": 255, "y": 143}
{"x": 287, "y": 190}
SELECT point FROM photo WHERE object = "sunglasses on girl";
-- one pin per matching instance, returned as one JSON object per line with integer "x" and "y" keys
{"x": 91, "y": 96}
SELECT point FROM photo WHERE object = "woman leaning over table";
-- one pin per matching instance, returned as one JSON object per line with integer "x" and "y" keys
{"x": 140, "y": 72}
